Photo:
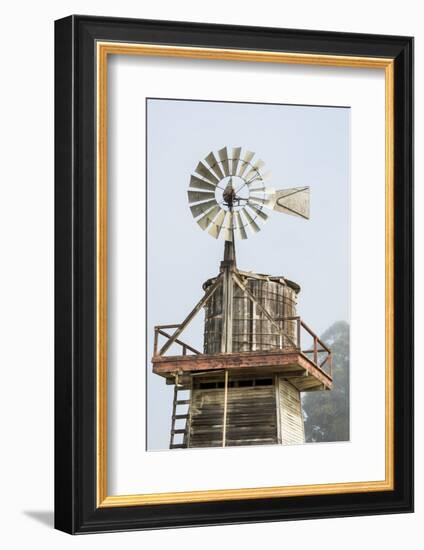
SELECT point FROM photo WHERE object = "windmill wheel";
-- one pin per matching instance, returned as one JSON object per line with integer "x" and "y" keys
{"x": 227, "y": 194}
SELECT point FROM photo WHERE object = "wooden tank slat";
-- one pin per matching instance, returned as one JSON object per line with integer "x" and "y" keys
{"x": 251, "y": 330}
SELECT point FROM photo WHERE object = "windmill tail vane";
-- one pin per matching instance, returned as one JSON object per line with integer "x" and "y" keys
{"x": 229, "y": 198}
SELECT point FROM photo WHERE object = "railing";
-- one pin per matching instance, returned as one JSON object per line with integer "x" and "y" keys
{"x": 159, "y": 330}
{"x": 320, "y": 355}
{"x": 318, "y": 346}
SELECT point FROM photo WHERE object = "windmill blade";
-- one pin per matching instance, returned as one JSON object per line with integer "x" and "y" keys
{"x": 217, "y": 224}
{"x": 255, "y": 169}
{"x": 240, "y": 226}
{"x": 201, "y": 208}
{"x": 213, "y": 163}
{"x": 227, "y": 227}
{"x": 259, "y": 178}
{"x": 266, "y": 176}
{"x": 269, "y": 202}
{"x": 258, "y": 211}
{"x": 223, "y": 155}
{"x": 251, "y": 222}
{"x": 294, "y": 201}
{"x": 197, "y": 183}
{"x": 206, "y": 173}
{"x": 236, "y": 158}
{"x": 256, "y": 178}
{"x": 245, "y": 162}
{"x": 263, "y": 190}
{"x": 197, "y": 196}
{"x": 208, "y": 218}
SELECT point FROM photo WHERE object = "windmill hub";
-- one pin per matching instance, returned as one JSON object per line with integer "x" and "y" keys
{"x": 229, "y": 197}
{"x": 232, "y": 193}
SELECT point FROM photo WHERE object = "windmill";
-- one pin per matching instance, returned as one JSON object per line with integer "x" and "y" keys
{"x": 244, "y": 388}
{"x": 229, "y": 198}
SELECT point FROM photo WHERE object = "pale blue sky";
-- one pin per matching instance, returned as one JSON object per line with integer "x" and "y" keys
{"x": 301, "y": 145}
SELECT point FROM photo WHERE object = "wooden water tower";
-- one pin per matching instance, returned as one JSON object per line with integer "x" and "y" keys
{"x": 245, "y": 387}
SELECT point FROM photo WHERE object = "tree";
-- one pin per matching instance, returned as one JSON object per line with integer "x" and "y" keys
{"x": 326, "y": 413}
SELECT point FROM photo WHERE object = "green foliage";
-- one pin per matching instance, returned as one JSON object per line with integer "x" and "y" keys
{"x": 326, "y": 413}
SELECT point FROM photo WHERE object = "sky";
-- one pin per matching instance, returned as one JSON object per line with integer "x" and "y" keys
{"x": 301, "y": 146}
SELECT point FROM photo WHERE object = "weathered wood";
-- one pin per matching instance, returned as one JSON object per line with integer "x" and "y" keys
{"x": 224, "y": 420}
{"x": 299, "y": 334}
{"x": 275, "y": 361}
{"x": 191, "y": 315}
{"x": 262, "y": 309}
{"x": 312, "y": 333}
{"x": 292, "y": 427}
{"x": 245, "y": 389}
{"x": 178, "y": 416}
{"x": 277, "y": 406}
{"x": 190, "y": 411}
{"x": 315, "y": 351}
{"x": 176, "y": 341}
{"x": 250, "y": 417}
{"x": 251, "y": 329}
{"x": 227, "y": 308}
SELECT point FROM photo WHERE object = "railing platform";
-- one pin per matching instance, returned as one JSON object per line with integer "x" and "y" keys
{"x": 292, "y": 363}
{"x": 308, "y": 370}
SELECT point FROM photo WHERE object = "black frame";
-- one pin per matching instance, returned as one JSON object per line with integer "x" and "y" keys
{"x": 75, "y": 274}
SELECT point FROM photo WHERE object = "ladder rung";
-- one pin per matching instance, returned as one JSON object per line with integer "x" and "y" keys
{"x": 179, "y": 431}
{"x": 182, "y": 402}
{"x": 177, "y": 446}
{"x": 179, "y": 416}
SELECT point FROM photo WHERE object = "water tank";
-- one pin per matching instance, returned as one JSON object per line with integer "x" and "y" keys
{"x": 252, "y": 331}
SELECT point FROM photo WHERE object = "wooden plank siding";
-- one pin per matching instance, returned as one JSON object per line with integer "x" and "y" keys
{"x": 251, "y": 416}
{"x": 260, "y": 411}
{"x": 291, "y": 417}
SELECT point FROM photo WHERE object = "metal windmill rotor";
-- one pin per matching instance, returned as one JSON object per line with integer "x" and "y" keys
{"x": 228, "y": 196}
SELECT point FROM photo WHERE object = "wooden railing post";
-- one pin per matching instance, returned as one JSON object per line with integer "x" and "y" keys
{"x": 186, "y": 347}
{"x": 202, "y": 302}
{"x": 155, "y": 344}
{"x": 318, "y": 345}
{"x": 298, "y": 333}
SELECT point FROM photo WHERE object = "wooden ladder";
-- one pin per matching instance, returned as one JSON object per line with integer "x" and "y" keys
{"x": 179, "y": 416}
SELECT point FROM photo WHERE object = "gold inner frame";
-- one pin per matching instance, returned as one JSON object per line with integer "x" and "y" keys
{"x": 104, "y": 49}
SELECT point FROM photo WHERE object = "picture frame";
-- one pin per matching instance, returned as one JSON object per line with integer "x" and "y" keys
{"x": 83, "y": 45}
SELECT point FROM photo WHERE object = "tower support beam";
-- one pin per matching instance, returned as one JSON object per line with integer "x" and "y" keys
{"x": 191, "y": 316}
{"x": 227, "y": 310}
{"x": 228, "y": 266}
